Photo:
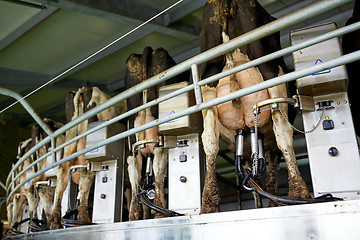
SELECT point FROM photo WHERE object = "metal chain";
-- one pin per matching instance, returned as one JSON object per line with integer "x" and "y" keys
{"x": 256, "y": 154}
{"x": 308, "y": 131}
{"x": 72, "y": 170}
{"x": 256, "y": 113}
{"x": 86, "y": 175}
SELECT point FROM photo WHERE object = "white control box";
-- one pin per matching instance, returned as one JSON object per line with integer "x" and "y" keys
{"x": 186, "y": 175}
{"x": 332, "y": 148}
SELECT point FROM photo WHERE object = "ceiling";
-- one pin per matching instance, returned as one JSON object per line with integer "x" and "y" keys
{"x": 42, "y": 39}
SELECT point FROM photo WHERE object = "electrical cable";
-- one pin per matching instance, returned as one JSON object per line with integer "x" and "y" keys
{"x": 92, "y": 55}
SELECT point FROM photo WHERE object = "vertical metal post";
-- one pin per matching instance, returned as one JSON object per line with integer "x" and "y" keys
{"x": 53, "y": 155}
{"x": 195, "y": 76}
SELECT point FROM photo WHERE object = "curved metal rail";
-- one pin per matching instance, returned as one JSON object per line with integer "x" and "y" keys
{"x": 192, "y": 63}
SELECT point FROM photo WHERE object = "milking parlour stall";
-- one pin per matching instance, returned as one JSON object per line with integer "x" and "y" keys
{"x": 182, "y": 119}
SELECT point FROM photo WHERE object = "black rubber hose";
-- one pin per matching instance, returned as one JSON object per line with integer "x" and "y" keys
{"x": 67, "y": 222}
{"x": 37, "y": 225}
{"x": 250, "y": 182}
{"x": 143, "y": 199}
{"x": 13, "y": 230}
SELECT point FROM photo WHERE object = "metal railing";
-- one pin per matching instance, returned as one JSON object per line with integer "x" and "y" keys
{"x": 193, "y": 64}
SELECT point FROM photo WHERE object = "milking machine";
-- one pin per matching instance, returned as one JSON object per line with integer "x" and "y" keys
{"x": 328, "y": 126}
{"x": 185, "y": 156}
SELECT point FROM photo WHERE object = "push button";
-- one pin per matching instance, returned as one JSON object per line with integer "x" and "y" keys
{"x": 104, "y": 179}
{"x": 183, "y": 158}
{"x": 333, "y": 151}
{"x": 328, "y": 124}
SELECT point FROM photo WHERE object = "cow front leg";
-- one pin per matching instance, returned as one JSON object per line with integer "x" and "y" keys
{"x": 159, "y": 167}
{"x": 134, "y": 169}
{"x": 85, "y": 182}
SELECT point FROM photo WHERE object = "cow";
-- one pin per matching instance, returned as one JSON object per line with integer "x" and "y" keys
{"x": 45, "y": 193}
{"x": 29, "y": 192}
{"x": 351, "y": 43}
{"x": 140, "y": 67}
{"x": 18, "y": 200}
{"x": 77, "y": 103}
{"x": 224, "y": 20}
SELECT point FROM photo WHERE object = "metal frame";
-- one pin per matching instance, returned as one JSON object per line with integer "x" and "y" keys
{"x": 192, "y": 63}
{"x": 330, "y": 221}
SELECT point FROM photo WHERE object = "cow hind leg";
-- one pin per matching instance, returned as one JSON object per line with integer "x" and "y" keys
{"x": 86, "y": 180}
{"x": 46, "y": 197}
{"x": 134, "y": 169}
{"x": 210, "y": 201}
{"x": 62, "y": 174}
{"x": 9, "y": 212}
{"x": 271, "y": 173}
{"x": 210, "y": 138}
{"x": 284, "y": 139}
{"x": 30, "y": 195}
{"x": 19, "y": 204}
{"x": 159, "y": 166}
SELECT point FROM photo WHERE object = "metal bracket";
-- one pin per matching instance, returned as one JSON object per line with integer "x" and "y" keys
{"x": 49, "y": 183}
{"x": 274, "y": 102}
{"x": 73, "y": 168}
{"x": 142, "y": 143}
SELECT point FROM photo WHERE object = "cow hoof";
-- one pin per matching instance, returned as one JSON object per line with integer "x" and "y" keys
{"x": 158, "y": 215}
{"x": 272, "y": 204}
{"x": 55, "y": 220}
{"x": 211, "y": 196}
{"x": 134, "y": 216}
{"x": 298, "y": 190}
{"x": 54, "y": 226}
{"x": 83, "y": 214}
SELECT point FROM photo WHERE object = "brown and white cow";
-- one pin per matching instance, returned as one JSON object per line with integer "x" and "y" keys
{"x": 30, "y": 192}
{"x": 45, "y": 193}
{"x": 224, "y": 20}
{"x": 18, "y": 200}
{"x": 139, "y": 68}
{"x": 77, "y": 103}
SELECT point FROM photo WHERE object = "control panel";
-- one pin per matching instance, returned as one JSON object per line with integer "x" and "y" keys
{"x": 186, "y": 175}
